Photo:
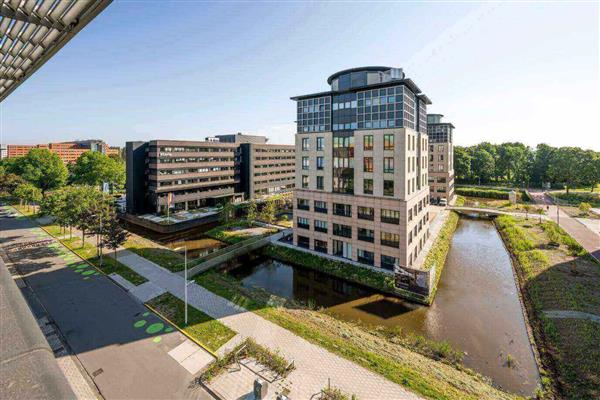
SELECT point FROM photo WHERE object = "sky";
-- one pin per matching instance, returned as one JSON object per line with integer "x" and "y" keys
{"x": 142, "y": 70}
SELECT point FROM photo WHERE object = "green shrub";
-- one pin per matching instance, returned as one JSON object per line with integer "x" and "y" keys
{"x": 585, "y": 207}
{"x": 558, "y": 235}
{"x": 518, "y": 239}
{"x": 575, "y": 198}
{"x": 482, "y": 192}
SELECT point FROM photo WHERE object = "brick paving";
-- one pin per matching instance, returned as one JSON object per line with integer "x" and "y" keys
{"x": 314, "y": 365}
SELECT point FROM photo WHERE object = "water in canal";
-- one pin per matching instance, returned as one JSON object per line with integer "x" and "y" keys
{"x": 477, "y": 308}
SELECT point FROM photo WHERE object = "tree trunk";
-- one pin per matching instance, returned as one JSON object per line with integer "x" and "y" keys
{"x": 83, "y": 238}
{"x": 70, "y": 232}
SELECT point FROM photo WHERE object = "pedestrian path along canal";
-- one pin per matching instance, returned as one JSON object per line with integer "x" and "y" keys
{"x": 477, "y": 307}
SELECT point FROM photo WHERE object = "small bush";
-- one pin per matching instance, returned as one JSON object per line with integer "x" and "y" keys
{"x": 484, "y": 193}
{"x": 585, "y": 207}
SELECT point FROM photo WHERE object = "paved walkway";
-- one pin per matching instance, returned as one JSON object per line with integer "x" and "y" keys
{"x": 572, "y": 314}
{"x": 589, "y": 239}
{"x": 314, "y": 365}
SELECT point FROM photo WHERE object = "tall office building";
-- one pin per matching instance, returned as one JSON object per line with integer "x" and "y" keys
{"x": 361, "y": 168}
{"x": 185, "y": 175}
{"x": 441, "y": 158}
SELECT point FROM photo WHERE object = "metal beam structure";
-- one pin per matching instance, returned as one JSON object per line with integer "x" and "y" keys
{"x": 32, "y": 31}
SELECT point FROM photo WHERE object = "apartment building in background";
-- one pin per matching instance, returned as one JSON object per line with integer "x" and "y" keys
{"x": 361, "y": 168}
{"x": 186, "y": 175}
{"x": 68, "y": 152}
{"x": 441, "y": 158}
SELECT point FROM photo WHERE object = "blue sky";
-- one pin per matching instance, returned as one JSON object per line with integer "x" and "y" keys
{"x": 189, "y": 69}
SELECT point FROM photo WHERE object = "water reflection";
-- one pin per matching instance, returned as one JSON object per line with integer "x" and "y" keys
{"x": 477, "y": 308}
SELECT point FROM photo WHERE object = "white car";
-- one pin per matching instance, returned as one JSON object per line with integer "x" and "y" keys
{"x": 443, "y": 202}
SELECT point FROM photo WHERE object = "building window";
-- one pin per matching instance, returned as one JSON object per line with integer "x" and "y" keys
{"x": 440, "y": 167}
{"x": 441, "y": 158}
{"x": 320, "y": 207}
{"x": 367, "y": 213}
{"x": 321, "y": 246}
{"x": 320, "y": 226}
{"x": 320, "y": 184}
{"x": 303, "y": 242}
{"x": 344, "y": 210}
{"x": 390, "y": 239}
{"x": 388, "y": 141}
{"x": 410, "y": 214}
{"x": 390, "y": 216}
{"x": 303, "y": 204}
{"x": 440, "y": 148}
{"x": 320, "y": 162}
{"x": 388, "y": 164}
{"x": 368, "y": 142}
{"x": 388, "y": 262}
{"x": 368, "y": 186}
{"x": 342, "y": 249}
{"x": 305, "y": 163}
{"x": 365, "y": 257}
{"x": 388, "y": 188}
{"x": 303, "y": 223}
{"x": 304, "y": 181}
{"x": 366, "y": 235}
{"x": 368, "y": 164}
{"x": 342, "y": 230}
{"x": 305, "y": 144}
{"x": 320, "y": 142}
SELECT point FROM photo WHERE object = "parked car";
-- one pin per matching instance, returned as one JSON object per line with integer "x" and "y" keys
{"x": 443, "y": 202}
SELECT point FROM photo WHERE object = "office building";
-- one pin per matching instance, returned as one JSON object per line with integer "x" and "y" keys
{"x": 441, "y": 158}
{"x": 361, "y": 168}
{"x": 186, "y": 175}
{"x": 68, "y": 152}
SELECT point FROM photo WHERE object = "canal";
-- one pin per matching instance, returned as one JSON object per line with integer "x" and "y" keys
{"x": 477, "y": 307}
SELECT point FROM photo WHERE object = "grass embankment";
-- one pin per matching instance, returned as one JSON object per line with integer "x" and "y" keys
{"x": 238, "y": 231}
{"x": 383, "y": 351}
{"x": 368, "y": 277}
{"x": 154, "y": 252}
{"x": 249, "y": 349}
{"x": 439, "y": 251}
{"x": 205, "y": 329}
{"x": 86, "y": 251}
{"x": 555, "y": 273}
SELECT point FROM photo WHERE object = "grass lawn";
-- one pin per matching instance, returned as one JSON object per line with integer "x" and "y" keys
{"x": 88, "y": 253}
{"x": 433, "y": 379}
{"x": 28, "y": 211}
{"x": 555, "y": 273}
{"x": 201, "y": 327}
{"x": 503, "y": 205}
{"x": 574, "y": 212}
{"x": 577, "y": 196}
{"x": 154, "y": 252}
{"x": 238, "y": 231}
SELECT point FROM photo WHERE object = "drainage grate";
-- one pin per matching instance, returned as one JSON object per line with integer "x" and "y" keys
{"x": 97, "y": 372}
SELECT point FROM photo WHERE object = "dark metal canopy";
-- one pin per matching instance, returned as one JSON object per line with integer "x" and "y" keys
{"x": 32, "y": 31}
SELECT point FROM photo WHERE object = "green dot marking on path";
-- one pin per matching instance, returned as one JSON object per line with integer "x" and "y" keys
{"x": 88, "y": 272}
{"x": 154, "y": 328}
{"x": 169, "y": 329}
{"x": 157, "y": 339}
{"x": 140, "y": 323}
{"x": 146, "y": 314}
{"x": 87, "y": 277}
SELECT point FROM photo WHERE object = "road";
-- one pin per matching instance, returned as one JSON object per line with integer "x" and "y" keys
{"x": 100, "y": 322}
{"x": 587, "y": 238}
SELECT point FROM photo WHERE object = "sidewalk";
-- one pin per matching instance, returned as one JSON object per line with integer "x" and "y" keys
{"x": 314, "y": 365}
{"x": 589, "y": 239}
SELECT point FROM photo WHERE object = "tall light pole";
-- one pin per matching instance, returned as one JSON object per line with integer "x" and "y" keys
{"x": 185, "y": 290}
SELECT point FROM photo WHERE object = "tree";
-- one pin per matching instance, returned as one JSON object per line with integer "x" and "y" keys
{"x": 541, "y": 164}
{"x": 462, "y": 163}
{"x": 483, "y": 164}
{"x": 252, "y": 212}
{"x": 114, "y": 235}
{"x": 590, "y": 169}
{"x": 268, "y": 211}
{"x": 9, "y": 182}
{"x": 227, "y": 212}
{"x": 94, "y": 168}
{"x": 41, "y": 168}
{"x": 565, "y": 166}
{"x": 27, "y": 193}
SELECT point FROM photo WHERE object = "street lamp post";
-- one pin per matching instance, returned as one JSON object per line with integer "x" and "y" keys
{"x": 185, "y": 290}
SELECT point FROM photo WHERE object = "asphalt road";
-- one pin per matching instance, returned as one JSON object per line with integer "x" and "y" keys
{"x": 116, "y": 339}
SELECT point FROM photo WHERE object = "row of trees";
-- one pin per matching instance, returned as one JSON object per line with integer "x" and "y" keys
{"x": 87, "y": 209}
{"x": 46, "y": 171}
{"x": 517, "y": 164}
